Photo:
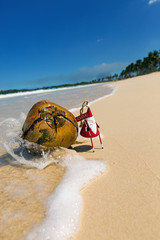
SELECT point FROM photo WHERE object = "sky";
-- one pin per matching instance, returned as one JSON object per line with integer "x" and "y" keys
{"x": 51, "y": 42}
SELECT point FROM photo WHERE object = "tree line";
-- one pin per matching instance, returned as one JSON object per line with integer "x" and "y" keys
{"x": 149, "y": 64}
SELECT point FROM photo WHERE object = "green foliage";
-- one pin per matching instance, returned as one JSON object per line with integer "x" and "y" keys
{"x": 149, "y": 64}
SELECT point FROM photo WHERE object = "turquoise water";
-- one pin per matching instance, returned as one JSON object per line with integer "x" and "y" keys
{"x": 12, "y": 105}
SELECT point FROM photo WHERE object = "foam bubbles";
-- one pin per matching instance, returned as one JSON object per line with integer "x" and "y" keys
{"x": 17, "y": 147}
{"x": 40, "y": 164}
{"x": 65, "y": 204}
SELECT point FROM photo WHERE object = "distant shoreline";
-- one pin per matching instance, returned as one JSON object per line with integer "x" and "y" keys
{"x": 10, "y": 91}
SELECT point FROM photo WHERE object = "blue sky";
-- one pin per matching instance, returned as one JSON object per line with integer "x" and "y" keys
{"x": 48, "y": 42}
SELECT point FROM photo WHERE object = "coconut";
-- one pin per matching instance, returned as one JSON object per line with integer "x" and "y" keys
{"x": 50, "y": 125}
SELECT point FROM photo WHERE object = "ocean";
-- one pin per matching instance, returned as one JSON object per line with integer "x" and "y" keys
{"x": 11, "y": 105}
{"x": 40, "y": 194}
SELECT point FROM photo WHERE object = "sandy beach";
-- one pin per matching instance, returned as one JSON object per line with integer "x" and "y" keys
{"x": 122, "y": 203}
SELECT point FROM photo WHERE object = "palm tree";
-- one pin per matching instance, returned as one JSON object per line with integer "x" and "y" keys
{"x": 138, "y": 66}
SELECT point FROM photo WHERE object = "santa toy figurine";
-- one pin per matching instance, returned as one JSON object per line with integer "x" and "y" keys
{"x": 90, "y": 128}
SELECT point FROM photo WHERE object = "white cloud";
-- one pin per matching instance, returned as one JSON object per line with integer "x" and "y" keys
{"x": 83, "y": 74}
{"x": 152, "y": 1}
{"x": 90, "y": 73}
{"x": 100, "y": 40}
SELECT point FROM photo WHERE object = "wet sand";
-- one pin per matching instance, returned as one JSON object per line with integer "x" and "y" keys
{"x": 24, "y": 192}
{"x": 124, "y": 202}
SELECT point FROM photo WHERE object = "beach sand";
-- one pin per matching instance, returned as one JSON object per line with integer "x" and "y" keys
{"x": 124, "y": 202}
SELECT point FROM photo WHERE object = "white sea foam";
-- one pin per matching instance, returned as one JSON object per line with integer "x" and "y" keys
{"x": 15, "y": 146}
{"x": 40, "y": 164}
{"x": 65, "y": 204}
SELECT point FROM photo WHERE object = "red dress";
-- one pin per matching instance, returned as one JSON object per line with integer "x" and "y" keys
{"x": 89, "y": 130}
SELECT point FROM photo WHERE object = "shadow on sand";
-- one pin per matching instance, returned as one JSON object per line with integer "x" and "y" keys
{"x": 82, "y": 148}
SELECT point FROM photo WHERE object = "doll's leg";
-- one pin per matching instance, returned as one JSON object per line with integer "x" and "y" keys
{"x": 92, "y": 144}
{"x": 100, "y": 141}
